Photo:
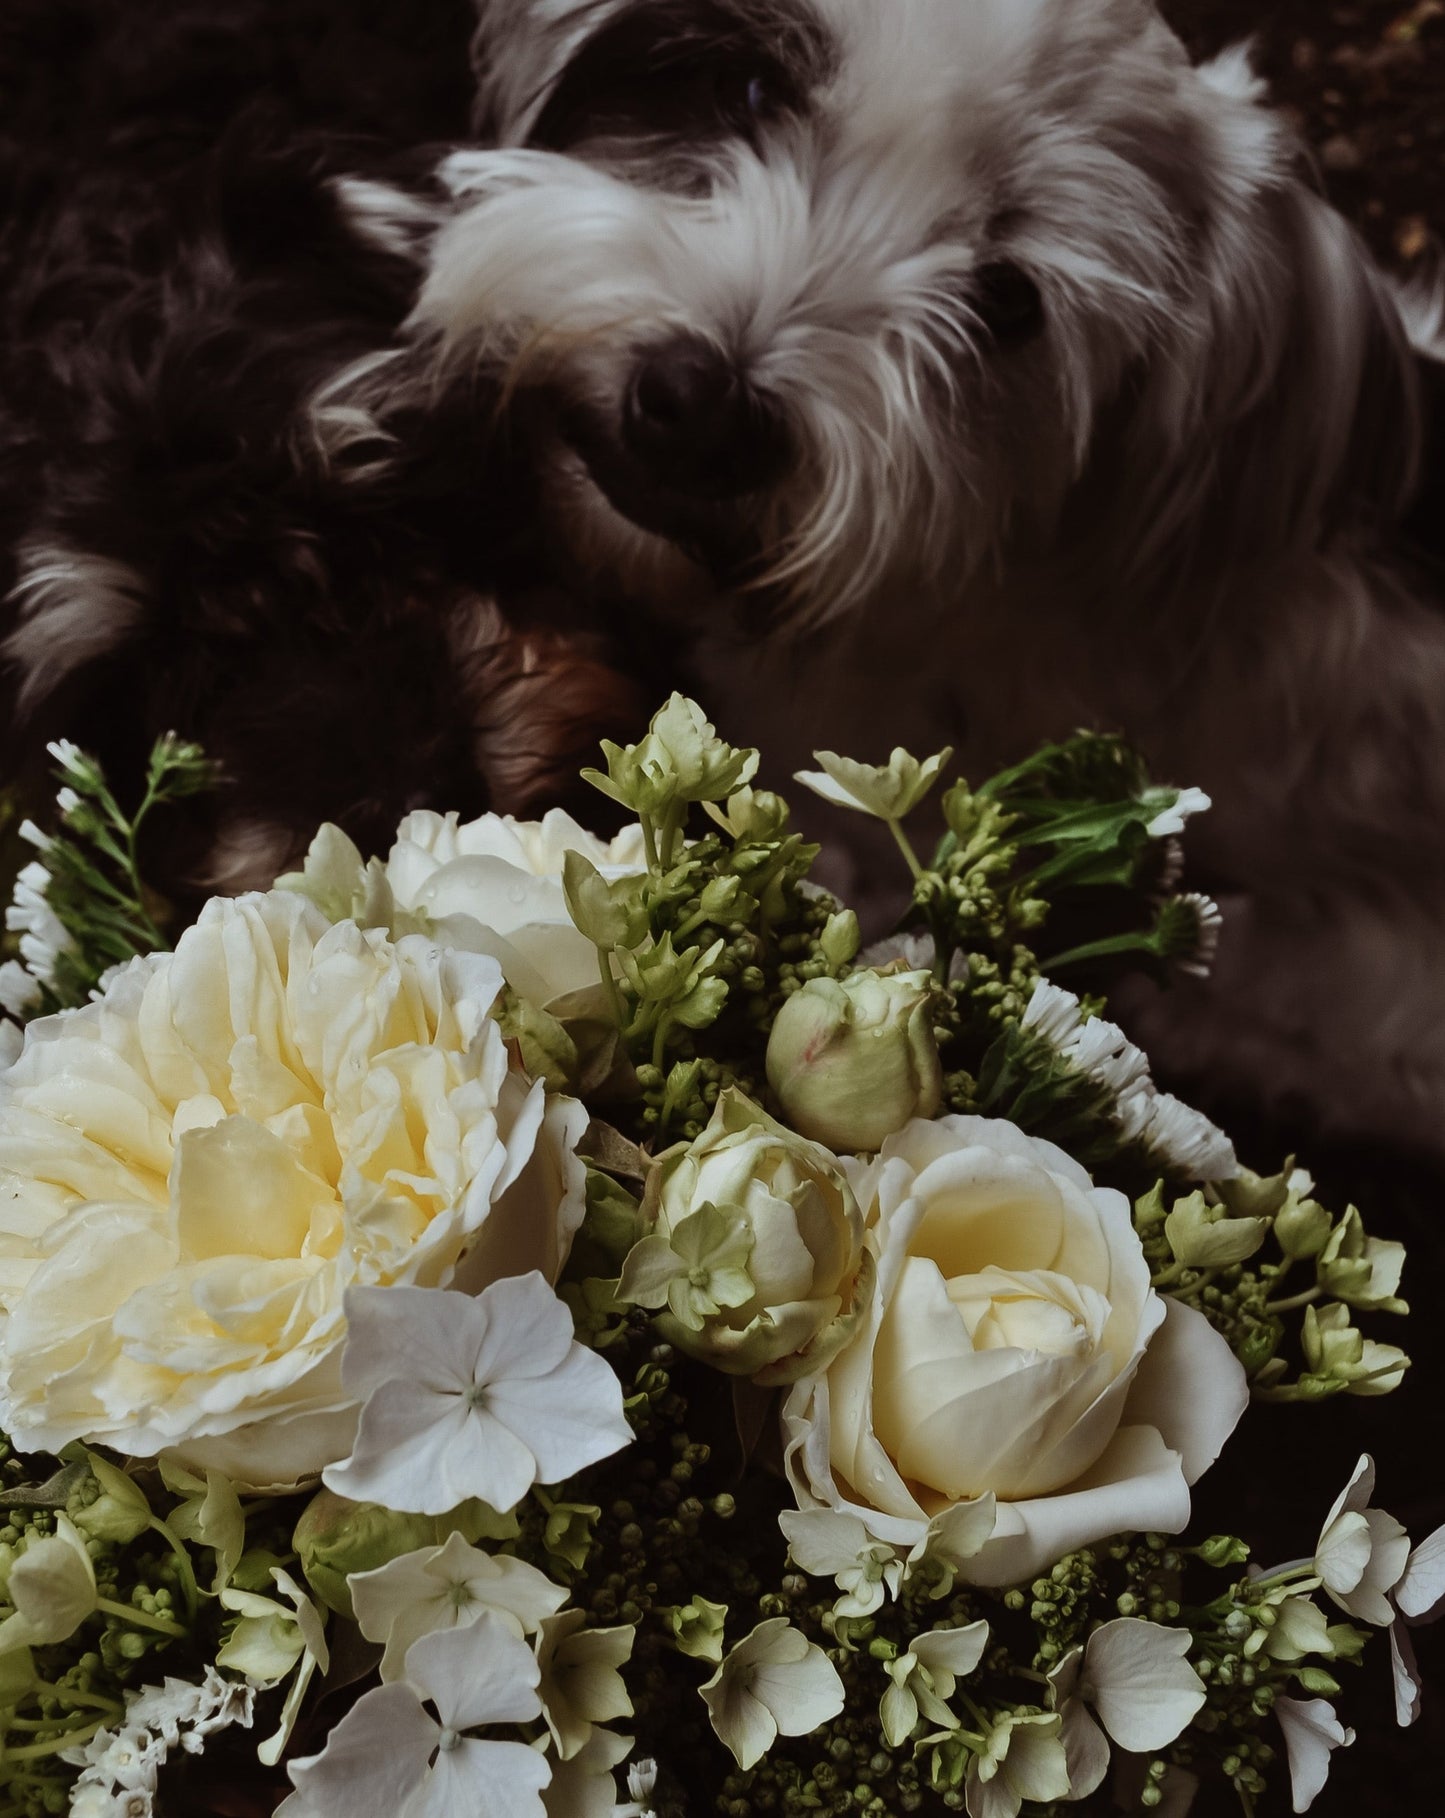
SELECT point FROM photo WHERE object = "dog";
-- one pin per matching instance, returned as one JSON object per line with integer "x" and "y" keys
{"x": 965, "y": 371}
{"x": 943, "y": 371}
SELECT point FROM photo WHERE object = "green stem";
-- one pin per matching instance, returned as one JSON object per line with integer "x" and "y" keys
{"x": 609, "y": 985}
{"x": 91, "y": 1700}
{"x": 1196, "y": 1287}
{"x": 1294, "y": 1301}
{"x": 659, "y": 1040}
{"x": 649, "y": 842}
{"x": 905, "y": 846}
{"x": 37, "y": 1751}
{"x": 190, "y": 1589}
{"x": 141, "y": 1618}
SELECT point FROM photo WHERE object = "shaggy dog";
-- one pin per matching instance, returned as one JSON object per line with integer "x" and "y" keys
{"x": 943, "y": 371}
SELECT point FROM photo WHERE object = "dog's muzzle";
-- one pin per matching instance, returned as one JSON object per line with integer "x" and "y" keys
{"x": 698, "y": 427}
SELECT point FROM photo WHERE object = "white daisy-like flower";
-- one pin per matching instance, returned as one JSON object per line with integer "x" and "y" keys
{"x": 43, "y": 936}
{"x": 471, "y": 1397}
{"x": 448, "y": 1587}
{"x": 19, "y": 989}
{"x": 390, "y": 1754}
{"x": 1312, "y": 1732}
{"x": 1209, "y": 920}
{"x": 1177, "y": 1137}
{"x": 775, "y": 1682}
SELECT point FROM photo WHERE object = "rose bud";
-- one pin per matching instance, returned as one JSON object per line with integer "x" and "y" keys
{"x": 753, "y": 1250}
{"x": 853, "y": 1061}
{"x": 335, "y": 1537}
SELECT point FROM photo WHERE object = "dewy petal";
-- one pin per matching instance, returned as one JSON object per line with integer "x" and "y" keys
{"x": 374, "y": 1760}
{"x": 1137, "y": 1677}
{"x": 1312, "y": 1732}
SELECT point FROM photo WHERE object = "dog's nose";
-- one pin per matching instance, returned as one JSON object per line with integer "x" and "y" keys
{"x": 692, "y": 417}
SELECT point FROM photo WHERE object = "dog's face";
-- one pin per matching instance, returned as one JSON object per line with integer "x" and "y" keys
{"x": 814, "y": 294}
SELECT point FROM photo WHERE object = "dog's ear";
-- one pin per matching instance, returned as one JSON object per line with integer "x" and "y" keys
{"x": 1281, "y": 411}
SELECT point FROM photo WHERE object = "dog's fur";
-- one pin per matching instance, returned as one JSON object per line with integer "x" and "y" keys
{"x": 1081, "y": 406}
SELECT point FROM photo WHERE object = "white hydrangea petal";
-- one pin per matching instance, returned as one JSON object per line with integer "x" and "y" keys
{"x": 823, "y": 1541}
{"x": 479, "y": 1674}
{"x": 403, "y": 1333}
{"x": 1312, "y": 1732}
{"x": 957, "y": 1651}
{"x": 1138, "y": 1679}
{"x": 502, "y": 1779}
{"x": 586, "y": 1785}
{"x": 1422, "y": 1588}
{"x": 373, "y": 1762}
{"x": 1406, "y": 1675}
{"x": 1086, "y": 1749}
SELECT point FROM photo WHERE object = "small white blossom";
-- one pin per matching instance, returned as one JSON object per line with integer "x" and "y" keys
{"x": 1362, "y": 1553}
{"x": 51, "y": 1588}
{"x": 582, "y": 1684}
{"x": 471, "y": 1397}
{"x": 1312, "y": 1732}
{"x": 1169, "y": 821}
{"x": 272, "y": 1641}
{"x": 1023, "y": 1759}
{"x": 890, "y": 791}
{"x": 775, "y": 1682}
{"x": 924, "y": 1679}
{"x": 120, "y": 1767}
{"x": 585, "y": 1785}
{"x": 389, "y": 1754}
{"x": 826, "y": 1542}
{"x": 448, "y": 1587}
{"x": 641, "y": 1785}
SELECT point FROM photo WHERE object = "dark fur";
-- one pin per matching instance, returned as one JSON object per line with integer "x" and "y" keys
{"x": 177, "y": 279}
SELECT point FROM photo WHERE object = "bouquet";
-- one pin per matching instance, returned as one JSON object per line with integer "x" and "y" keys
{"x": 546, "y": 1327}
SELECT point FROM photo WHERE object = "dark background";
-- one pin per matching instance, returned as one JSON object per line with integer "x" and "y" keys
{"x": 1366, "y": 84}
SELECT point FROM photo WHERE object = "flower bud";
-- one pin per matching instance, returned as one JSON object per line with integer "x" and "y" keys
{"x": 755, "y": 1247}
{"x": 852, "y": 1061}
{"x": 1301, "y": 1227}
{"x": 335, "y": 1537}
{"x": 1205, "y": 1237}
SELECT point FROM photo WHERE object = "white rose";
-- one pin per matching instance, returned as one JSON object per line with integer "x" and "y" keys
{"x": 495, "y": 885}
{"x": 194, "y": 1169}
{"x": 1014, "y": 1346}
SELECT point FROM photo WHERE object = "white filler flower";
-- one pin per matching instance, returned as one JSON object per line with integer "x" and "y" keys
{"x": 776, "y": 1682}
{"x": 195, "y": 1169}
{"x": 1362, "y": 1552}
{"x": 389, "y": 1757}
{"x": 470, "y": 1398}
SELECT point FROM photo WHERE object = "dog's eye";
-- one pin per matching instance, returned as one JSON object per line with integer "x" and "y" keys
{"x": 1007, "y": 301}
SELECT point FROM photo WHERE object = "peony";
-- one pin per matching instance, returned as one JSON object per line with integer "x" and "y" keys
{"x": 504, "y": 877}
{"x": 1014, "y": 1347}
{"x": 755, "y": 1245}
{"x": 194, "y": 1169}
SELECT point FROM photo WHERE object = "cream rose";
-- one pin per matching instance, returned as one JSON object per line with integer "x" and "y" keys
{"x": 495, "y": 885}
{"x": 194, "y": 1170}
{"x": 1014, "y": 1346}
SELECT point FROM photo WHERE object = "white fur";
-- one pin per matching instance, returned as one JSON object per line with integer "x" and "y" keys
{"x": 72, "y": 607}
{"x": 1158, "y": 515}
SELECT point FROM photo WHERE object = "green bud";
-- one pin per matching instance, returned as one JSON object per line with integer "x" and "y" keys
{"x": 609, "y": 914}
{"x": 1222, "y": 1550}
{"x": 1361, "y": 1271}
{"x": 568, "y": 1533}
{"x": 1205, "y": 1237}
{"x": 119, "y": 1513}
{"x": 1250, "y": 1195}
{"x": 754, "y": 816}
{"x": 681, "y": 760}
{"x": 1318, "y": 1681}
{"x": 697, "y": 1628}
{"x": 841, "y": 938}
{"x": 852, "y": 1061}
{"x": 1302, "y": 1227}
{"x": 1339, "y": 1353}
{"x": 335, "y": 1537}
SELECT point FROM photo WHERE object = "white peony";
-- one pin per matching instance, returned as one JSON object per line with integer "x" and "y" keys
{"x": 495, "y": 885}
{"x": 1014, "y": 1347}
{"x": 194, "y": 1169}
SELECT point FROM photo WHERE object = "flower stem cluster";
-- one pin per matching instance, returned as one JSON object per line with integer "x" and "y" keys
{"x": 1236, "y": 1250}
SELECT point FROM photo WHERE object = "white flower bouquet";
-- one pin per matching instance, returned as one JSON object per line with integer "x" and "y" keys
{"x": 544, "y": 1328}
